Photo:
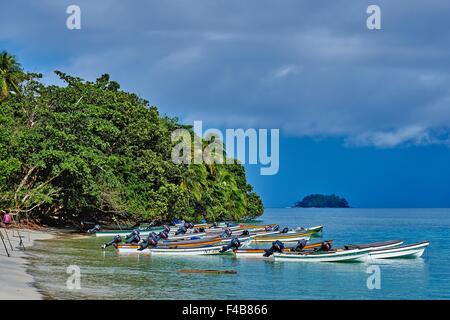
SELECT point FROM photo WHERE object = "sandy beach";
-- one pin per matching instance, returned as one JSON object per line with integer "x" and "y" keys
{"x": 15, "y": 283}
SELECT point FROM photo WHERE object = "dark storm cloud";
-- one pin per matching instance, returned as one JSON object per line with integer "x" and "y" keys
{"x": 311, "y": 68}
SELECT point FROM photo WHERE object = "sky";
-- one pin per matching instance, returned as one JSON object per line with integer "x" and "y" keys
{"x": 362, "y": 113}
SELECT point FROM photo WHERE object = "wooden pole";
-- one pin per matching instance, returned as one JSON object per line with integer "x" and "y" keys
{"x": 7, "y": 237}
{"x": 4, "y": 244}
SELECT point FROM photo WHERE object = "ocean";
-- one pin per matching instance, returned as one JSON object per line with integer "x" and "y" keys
{"x": 108, "y": 275}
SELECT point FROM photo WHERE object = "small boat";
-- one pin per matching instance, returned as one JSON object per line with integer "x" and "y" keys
{"x": 217, "y": 241}
{"x": 375, "y": 245}
{"x": 414, "y": 250}
{"x": 143, "y": 232}
{"x": 314, "y": 230}
{"x": 339, "y": 255}
{"x": 288, "y": 237}
{"x": 259, "y": 253}
{"x": 176, "y": 250}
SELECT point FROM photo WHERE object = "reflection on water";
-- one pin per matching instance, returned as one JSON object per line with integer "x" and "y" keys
{"x": 106, "y": 274}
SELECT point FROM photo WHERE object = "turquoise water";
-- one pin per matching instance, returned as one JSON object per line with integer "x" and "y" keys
{"x": 108, "y": 275}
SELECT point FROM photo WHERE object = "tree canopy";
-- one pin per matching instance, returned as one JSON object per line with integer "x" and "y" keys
{"x": 90, "y": 151}
{"x": 11, "y": 75}
{"x": 322, "y": 201}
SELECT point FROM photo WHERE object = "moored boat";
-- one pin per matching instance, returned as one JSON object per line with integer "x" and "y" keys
{"x": 289, "y": 237}
{"x": 339, "y": 255}
{"x": 259, "y": 253}
{"x": 176, "y": 250}
{"x": 414, "y": 250}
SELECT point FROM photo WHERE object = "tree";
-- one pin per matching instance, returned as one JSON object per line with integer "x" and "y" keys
{"x": 90, "y": 151}
{"x": 322, "y": 201}
{"x": 11, "y": 75}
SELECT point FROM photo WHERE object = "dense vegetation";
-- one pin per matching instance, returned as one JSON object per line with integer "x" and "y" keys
{"x": 89, "y": 151}
{"x": 322, "y": 201}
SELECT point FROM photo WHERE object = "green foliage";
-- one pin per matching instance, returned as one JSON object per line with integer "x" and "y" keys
{"x": 88, "y": 150}
{"x": 322, "y": 201}
{"x": 11, "y": 75}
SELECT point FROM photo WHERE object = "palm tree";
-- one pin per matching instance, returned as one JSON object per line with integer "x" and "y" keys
{"x": 11, "y": 75}
{"x": 194, "y": 180}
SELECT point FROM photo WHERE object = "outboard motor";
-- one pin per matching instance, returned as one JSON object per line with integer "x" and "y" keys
{"x": 226, "y": 233}
{"x": 187, "y": 225}
{"x": 234, "y": 244}
{"x": 163, "y": 235}
{"x": 277, "y": 246}
{"x": 166, "y": 228}
{"x": 95, "y": 229}
{"x": 114, "y": 242}
{"x": 151, "y": 241}
{"x": 285, "y": 230}
{"x": 245, "y": 233}
{"x": 134, "y": 237}
{"x": 272, "y": 228}
{"x": 132, "y": 234}
{"x": 300, "y": 245}
{"x": 325, "y": 246}
{"x": 181, "y": 230}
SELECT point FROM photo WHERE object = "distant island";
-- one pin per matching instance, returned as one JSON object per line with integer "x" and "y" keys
{"x": 322, "y": 201}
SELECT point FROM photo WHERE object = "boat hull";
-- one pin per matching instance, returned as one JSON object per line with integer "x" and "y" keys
{"x": 355, "y": 255}
{"x": 410, "y": 251}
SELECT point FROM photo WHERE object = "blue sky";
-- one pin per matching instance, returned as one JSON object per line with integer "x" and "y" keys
{"x": 364, "y": 114}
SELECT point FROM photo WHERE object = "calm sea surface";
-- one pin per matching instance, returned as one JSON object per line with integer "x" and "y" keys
{"x": 109, "y": 275}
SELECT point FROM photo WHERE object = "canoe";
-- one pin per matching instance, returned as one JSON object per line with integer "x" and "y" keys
{"x": 414, "y": 250}
{"x": 259, "y": 253}
{"x": 340, "y": 255}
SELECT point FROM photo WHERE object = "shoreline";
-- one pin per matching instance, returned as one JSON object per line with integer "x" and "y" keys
{"x": 17, "y": 283}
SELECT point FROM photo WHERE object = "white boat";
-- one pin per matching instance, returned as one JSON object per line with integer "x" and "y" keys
{"x": 259, "y": 253}
{"x": 181, "y": 249}
{"x": 414, "y": 250}
{"x": 340, "y": 255}
{"x": 289, "y": 237}
{"x": 375, "y": 245}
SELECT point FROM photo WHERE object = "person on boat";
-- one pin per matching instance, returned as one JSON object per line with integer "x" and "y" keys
{"x": 234, "y": 244}
{"x": 277, "y": 246}
{"x": 114, "y": 242}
